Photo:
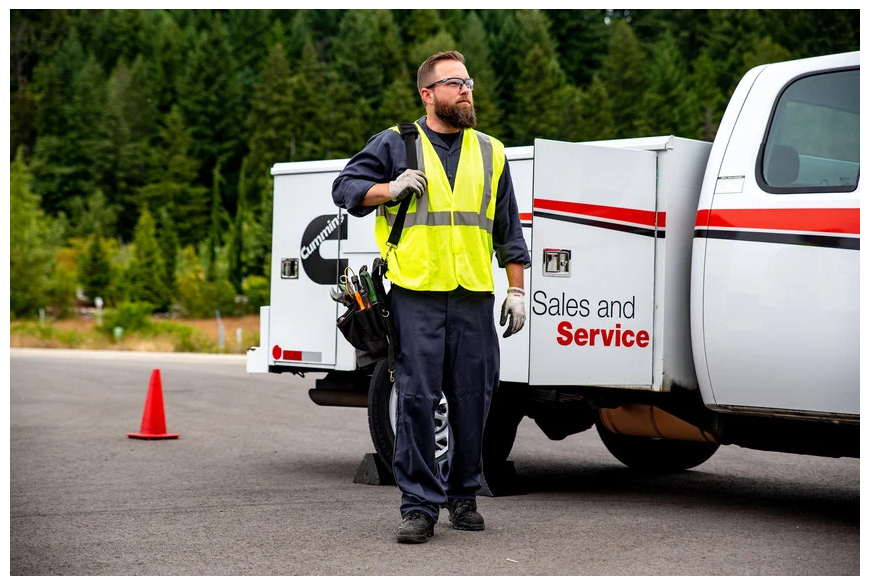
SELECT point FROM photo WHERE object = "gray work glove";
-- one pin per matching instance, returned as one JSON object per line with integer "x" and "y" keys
{"x": 513, "y": 307}
{"x": 409, "y": 181}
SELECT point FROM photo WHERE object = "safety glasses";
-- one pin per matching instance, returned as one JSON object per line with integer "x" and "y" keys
{"x": 455, "y": 83}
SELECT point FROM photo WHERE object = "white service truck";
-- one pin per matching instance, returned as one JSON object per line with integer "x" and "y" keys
{"x": 682, "y": 295}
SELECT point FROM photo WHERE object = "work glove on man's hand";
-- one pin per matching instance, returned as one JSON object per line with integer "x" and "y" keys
{"x": 407, "y": 182}
{"x": 513, "y": 307}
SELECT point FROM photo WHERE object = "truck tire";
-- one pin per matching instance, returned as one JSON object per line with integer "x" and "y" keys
{"x": 506, "y": 411}
{"x": 504, "y": 416}
{"x": 654, "y": 455}
{"x": 381, "y": 416}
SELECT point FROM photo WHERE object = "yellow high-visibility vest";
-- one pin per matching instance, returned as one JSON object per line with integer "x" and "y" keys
{"x": 446, "y": 240}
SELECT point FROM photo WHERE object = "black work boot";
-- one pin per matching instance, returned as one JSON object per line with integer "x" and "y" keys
{"x": 463, "y": 515}
{"x": 417, "y": 527}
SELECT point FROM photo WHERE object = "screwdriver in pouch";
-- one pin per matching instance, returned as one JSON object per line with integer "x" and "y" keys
{"x": 356, "y": 285}
{"x": 368, "y": 284}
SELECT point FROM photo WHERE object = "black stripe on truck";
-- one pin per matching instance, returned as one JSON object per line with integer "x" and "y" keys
{"x": 640, "y": 231}
{"x": 795, "y": 239}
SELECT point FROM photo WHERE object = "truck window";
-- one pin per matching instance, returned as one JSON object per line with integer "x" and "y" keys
{"x": 813, "y": 143}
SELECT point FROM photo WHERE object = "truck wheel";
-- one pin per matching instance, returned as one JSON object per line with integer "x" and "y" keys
{"x": 382, "y": 419}
{"x": 504, "y": 416}
{"x": 655, "y": 455}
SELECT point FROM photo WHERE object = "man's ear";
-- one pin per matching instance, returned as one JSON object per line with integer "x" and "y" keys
{"x": 426, "y": 95}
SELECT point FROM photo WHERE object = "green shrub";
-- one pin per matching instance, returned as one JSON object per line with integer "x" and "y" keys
{"x": 200, "y": 298}
{"x": 257, "y": 289}
{"x": 132, "y": 317}
{"x": 185, "y": 338}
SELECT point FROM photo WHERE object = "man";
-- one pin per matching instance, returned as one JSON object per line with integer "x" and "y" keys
{"x": 442, "y": 289}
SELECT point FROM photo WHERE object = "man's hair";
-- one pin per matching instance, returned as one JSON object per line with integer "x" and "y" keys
{"x": 425, "y": 72}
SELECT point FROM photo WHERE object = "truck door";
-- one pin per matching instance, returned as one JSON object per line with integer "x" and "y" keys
{"x": 781, "y": 296}
{"x": 305, "y": 264}
{"x": 592, "y": 272}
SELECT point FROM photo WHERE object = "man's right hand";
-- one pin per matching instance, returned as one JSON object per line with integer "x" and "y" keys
{"x": 409, "y": 181}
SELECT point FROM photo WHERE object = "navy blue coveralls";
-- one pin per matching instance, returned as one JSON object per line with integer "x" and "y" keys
{"x": 447, "y": 340}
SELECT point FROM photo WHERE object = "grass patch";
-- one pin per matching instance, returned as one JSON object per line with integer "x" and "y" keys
{"x": 147, "y": 335}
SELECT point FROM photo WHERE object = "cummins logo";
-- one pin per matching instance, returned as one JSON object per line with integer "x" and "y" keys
{"x": 323, "y": 228}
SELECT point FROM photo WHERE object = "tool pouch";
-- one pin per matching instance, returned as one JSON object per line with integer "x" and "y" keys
{"x": 367, "y": 330}
{"x": 370, "y": 331}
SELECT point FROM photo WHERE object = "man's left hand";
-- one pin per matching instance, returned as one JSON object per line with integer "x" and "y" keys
{"x": 513, "y": 308}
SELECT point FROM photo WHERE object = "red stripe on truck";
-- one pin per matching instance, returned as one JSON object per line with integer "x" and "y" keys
{"x": 624, "y": 214}
{"x": 823, "y": 220}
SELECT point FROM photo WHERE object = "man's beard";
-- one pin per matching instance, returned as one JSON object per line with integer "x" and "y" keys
{"x": 457, "y": 115}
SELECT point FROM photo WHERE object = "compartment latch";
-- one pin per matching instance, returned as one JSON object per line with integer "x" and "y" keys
{"x": 556, "y": 262}
{"x": 289, "y": 267}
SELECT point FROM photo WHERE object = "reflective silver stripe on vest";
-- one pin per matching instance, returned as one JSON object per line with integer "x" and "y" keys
{"x": 488, "y": 164}
{"x": 434, "y": 218}
{"x": 431, "y": 219}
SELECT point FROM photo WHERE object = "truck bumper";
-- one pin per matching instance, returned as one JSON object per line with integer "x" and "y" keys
{"x": 257, "y": 358}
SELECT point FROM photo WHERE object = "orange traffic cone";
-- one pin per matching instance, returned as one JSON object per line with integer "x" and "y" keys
{"x": 153, "y": 424}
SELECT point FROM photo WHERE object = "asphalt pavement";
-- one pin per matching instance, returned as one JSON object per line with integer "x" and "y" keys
{"x": 260, "y": 482}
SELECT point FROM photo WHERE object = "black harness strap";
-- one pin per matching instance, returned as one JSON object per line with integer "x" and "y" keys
{"x": 409, "y": 132}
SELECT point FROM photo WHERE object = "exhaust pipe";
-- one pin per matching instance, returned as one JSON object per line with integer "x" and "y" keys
{"x": 332, "y": 397}
{"x": 642, "y": 420}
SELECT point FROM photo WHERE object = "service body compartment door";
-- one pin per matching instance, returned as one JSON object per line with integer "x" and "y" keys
{"x": 592, "y": 272}
{"x": 306, "y": 235}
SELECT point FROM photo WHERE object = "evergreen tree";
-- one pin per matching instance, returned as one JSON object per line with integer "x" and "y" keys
{"x": 357, "y": 61}
{"x": 270, "y": 122}
{"x": 442, "y": 41}
{"x": 477, "y": 55}
{"x": 31, "y": 251}
{"x": 310, "y": 118}
{"x": 539, "y": 99}
{"x": 624, "y": 75}
{"x": 709, "y": 101}
{"x": 211, "y": 100}
{"x": 66, "y": 164}
{"x": 810, "y": 33}
{"x": 93, "y": 214}
{"x": 131, "y": 122}
{"x": 168, "y": 242}
{"x": 145, "y": 275}
{"x": 299, "y": 35}
{"x": 118, "y": 35}
{"x": 583, "y": 38}
{"x": 343, "y": 115}
{"x": 666, "y": 104}
{"x": 163, "y": 51}
{"x": 22, "y": 118}
{"x": 53, "y": 85}
{"x": 217, "y": 223}
{"x": 765, "y": 51}
{"x": 174, "y": 182}
{"x": 421, "y": 24}
{"x": 597, "y": 113}
{"x": 390, "y": 43}
{"x": 730, "y": 37}
{"x": 399, "y": 103}
{"x": 247, "y": 29}
{"x": 519, "y": 32}
{"x": 236, "y": 243}
{"x": 95, "y": 270}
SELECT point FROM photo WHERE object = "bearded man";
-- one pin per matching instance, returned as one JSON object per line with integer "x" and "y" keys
{"x": 462, "y": 211}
